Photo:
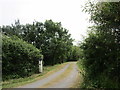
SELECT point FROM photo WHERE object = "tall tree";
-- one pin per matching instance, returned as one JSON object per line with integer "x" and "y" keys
{"x": 101, "y": 49}
{"x": 51, "y": 37}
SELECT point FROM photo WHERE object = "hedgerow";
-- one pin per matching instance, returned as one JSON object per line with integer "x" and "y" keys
{"x": 19, "y": 59}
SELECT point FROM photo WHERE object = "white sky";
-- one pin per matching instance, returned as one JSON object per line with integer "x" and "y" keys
{"x": 68, "y": 12}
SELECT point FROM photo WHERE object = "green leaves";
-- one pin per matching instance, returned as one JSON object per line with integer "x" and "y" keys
{"x": 57, "y": 43}
{"x": 102, "y": 46}
{"x": 19, "y": 58}
{"x": 51, "y": 37}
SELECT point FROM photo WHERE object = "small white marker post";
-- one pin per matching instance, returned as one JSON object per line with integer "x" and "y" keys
{"x": 40, "y": 65}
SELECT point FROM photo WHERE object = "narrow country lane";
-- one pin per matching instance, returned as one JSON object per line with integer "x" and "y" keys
{"x": 64, "y": 78}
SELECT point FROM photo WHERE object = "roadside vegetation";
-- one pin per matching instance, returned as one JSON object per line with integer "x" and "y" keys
{"x": 20, "y": 59}
{"x": 47, "y": 70}
{"x": 24, "y": 45}
{"x": 98, "y": 53}
{"x": 100, "y": 58}
{"x": 50, "y": 37}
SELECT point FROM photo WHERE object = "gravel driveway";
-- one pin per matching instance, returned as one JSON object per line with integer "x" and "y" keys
{"x": 64, "y": 78}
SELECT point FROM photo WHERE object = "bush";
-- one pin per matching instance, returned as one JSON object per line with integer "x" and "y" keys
{"x": 100, "y": 61}
{"x": 19, "y": 59}
{"x": 101, "y": 50}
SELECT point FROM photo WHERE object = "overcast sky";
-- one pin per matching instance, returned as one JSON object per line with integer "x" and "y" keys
{"x": 68, "y": 12}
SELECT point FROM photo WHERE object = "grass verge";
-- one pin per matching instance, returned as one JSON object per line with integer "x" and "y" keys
{"x": 48, "y": 70}
{"x": 81, "y": 74}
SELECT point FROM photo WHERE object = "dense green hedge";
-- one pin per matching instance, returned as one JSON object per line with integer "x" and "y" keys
{"x": 100, "y": 61}
{"x": 101, "y": 48}
{"x": 19, "y": 59}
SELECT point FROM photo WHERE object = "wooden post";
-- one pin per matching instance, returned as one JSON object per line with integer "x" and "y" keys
{"x": 40, "y": 66}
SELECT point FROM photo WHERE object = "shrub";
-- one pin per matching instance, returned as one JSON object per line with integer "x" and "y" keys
{"x": 19, "y": 59}
{"x": 100, "y": 60}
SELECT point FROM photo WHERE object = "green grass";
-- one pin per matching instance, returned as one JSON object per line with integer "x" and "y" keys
{"x": 81, "y": 72}
{"x": 47, "y": 70}
{"x": 81, "y": 68}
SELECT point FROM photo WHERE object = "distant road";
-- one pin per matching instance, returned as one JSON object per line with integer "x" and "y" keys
{"x": 64, "y": 78}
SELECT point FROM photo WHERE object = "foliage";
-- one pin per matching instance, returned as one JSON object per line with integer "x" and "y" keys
{"x": 57, "y": 44}
{"x": 74, "y": 54}
{"x": 101, "y": 49}
{"x": 51, "y": 37}
{"x": 13, "y": 83}
{"x": 19, "y": 59}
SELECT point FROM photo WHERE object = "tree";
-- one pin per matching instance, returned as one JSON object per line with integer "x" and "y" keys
{"x": 75, "y": 53}
{"x": 58, "y": 43}
{"x": 101, "y": 49}
{"x": 51, "y": 37}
